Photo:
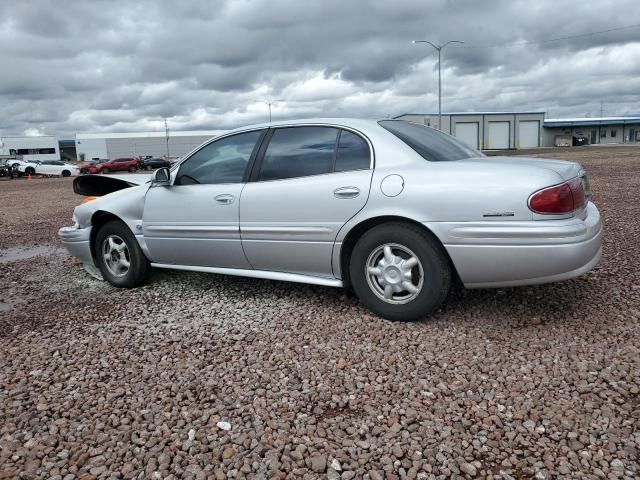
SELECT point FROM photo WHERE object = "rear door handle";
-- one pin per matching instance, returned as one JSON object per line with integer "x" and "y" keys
{"x": 346, "y": 192}
{"x": 224, "y": 199}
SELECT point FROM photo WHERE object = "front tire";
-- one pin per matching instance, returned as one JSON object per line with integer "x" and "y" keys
{"x": 66, "y": 173}
{"x": 132, "y": 169}
{"x": 30, "y": 171}
{"x": 120, "y": 258}
{"x": 105, "y": 170}
{"x": 400, "y": 272}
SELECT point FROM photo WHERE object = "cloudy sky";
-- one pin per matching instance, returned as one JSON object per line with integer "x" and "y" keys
{"x": 92, "y": 65}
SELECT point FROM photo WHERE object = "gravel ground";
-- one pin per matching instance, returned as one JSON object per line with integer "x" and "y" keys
{"x": 203, "y": 376}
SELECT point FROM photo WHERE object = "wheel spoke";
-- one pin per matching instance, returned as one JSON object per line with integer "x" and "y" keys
{"x": 124, "y": 262}
{"x": 388, "y": 292}
{"x": 409, "y": 287}
{"x": 120, "y": 248}
{"x": 388, "y": 255}
{"x": 375, "y": 271}
{"x": 112, "y": 244}
{"x": 409, "y": 263}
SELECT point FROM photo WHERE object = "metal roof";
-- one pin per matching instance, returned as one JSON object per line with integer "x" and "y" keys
{"x": 589, "y": 121}
{"x": 453, "y": 114}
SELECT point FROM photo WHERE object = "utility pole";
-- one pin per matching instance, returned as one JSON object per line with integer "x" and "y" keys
{"x": 166, "y": 136}
{"x": 439, "y": 49}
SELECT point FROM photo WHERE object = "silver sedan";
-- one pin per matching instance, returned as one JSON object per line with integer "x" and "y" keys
{"x": 394, "y": 210}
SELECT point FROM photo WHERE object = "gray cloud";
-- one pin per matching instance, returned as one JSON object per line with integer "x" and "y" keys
{"x": 111, "y": 65}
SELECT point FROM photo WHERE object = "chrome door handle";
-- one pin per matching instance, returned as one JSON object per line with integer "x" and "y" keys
{"x": 346, "y": 192}
{"x": 224, "y": 199}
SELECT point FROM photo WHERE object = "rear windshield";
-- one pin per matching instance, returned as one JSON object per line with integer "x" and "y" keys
{"x": 430, "y": 143}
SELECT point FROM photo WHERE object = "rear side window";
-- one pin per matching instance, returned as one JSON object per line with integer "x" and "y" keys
{"x": 430, "y": 143}
{"x": 223, "y": 161}
{"x": 353, "y": 152}
{"x": 299, "y": 152}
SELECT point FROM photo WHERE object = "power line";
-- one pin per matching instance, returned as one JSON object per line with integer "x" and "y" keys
{"x": 551, "y": 40}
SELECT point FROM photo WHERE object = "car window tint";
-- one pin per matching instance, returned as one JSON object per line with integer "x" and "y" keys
{"x": 353, "y": 152}
{"x": 428, "y": 142}
{"x": 299, "y": 152}
{"x": 223, "y": 161}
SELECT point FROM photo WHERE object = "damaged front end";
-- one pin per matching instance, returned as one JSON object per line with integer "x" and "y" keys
{"x": 100, "y": 185}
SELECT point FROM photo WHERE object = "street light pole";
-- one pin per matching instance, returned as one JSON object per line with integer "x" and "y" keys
{"x": 271, "y": 102}
{"x": 439, "y": 49}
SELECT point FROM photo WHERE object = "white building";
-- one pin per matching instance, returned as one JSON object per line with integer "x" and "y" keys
{"x": 122, "y": 145}
{"x": 487, "y": 130}
{"x": 600, "y": 130}
{"x": 31, "y": 148}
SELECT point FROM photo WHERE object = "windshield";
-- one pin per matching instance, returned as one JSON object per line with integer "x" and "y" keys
{"x": 430, "y": 143}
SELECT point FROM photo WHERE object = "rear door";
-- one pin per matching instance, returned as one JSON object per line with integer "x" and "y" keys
{"x": 195, "y": 221}
{"x": 307, "y": 183}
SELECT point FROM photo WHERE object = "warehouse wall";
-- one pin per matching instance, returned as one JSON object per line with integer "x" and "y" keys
{"x": 154, "y": 146}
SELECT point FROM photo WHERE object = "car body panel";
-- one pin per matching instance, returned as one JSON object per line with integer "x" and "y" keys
{"x": 188, "y": 225}
{"x": 476, "y": 207}
{"x": 282, "y": 228}
{"x": 52, "y": 167}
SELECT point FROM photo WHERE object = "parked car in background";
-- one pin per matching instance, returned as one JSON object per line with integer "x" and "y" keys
{"x": 150, "y": 163}
{"x": 52, "y": 167}
{"x": 20, "y": 165}
{"x": 117, "y": 165}
{"x": 398, "y": 211}
{"x": 94, "y": 161}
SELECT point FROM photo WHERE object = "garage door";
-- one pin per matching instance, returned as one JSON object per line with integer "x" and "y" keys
{"x": 498, "y": 135}
{"x": 468, "y": 133}
{"x": 529, "y": 134}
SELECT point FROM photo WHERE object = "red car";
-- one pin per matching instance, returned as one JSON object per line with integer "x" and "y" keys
{"x": 117, "y": 165}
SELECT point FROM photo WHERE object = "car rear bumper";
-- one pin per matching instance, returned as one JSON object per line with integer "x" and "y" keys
{"x": 509, "y": 254}
{"x": 77, "y": 241}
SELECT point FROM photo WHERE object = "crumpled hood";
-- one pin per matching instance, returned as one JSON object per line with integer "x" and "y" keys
{"x": 100, "y": 185}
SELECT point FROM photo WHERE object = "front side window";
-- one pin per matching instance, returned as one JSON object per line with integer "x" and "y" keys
{"x": 430, "y": 143}
{"x": 299, "y": 152}
{"x": 353, "y": 152}
{"x": 223, "y": 161}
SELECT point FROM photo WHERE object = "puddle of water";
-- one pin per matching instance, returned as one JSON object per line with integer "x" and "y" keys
{"x": 15, "y": 254}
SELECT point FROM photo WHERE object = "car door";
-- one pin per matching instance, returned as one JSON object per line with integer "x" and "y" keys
{"x": 48, "y": 167}
{"x": 195, "y": 220}
{"x": 308, "y": 181}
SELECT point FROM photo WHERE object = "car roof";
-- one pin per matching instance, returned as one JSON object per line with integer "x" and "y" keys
{"x": 356, "y": 123}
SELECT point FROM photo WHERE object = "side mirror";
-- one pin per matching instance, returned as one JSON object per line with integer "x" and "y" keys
{"x": 161, "y": 176}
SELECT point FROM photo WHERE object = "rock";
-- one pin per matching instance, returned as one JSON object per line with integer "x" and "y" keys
{"x": 228, "y": 452}
{"x": 616, "y": 465}
{"x": 317, "y": 463}
{"x": 375, "y": 475}
{"x": 468, "y": 469}
{"x": 332, "y": 474}
{"x": 222, "y": 425}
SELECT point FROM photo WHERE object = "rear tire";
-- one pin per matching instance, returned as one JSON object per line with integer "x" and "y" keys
{"x": 66, "y": 173}
{"x": 400, "y": 272}
{"x": 105, "y": 170}
{"x": 132, "y": 169}
{"x": 30, "y": 171}
{"x": 119, "y": 257}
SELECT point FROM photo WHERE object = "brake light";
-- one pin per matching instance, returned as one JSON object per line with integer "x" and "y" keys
{"x": 563, "y": 198}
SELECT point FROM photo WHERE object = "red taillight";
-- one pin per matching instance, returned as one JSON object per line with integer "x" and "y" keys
{"x": 563, "y": 198}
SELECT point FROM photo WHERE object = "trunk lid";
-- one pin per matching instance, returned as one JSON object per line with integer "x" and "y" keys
{"x": 565, "y": 169}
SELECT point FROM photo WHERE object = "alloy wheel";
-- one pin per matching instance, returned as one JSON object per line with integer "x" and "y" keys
{"x": 116, "y": 255}
{"x": 394, "y": 273}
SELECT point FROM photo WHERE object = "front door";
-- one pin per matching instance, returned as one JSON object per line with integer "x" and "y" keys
{"x": 195, "y": 221}
{"x": 307, "y": 184}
